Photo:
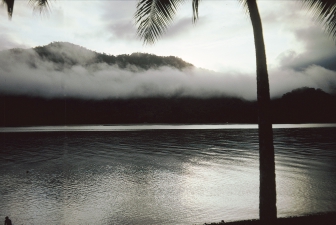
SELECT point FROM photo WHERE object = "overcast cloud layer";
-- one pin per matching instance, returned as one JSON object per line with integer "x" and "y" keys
{"x": 299, "y": 53}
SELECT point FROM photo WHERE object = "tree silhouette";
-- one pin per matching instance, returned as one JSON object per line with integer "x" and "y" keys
{"x": 153, "y": 18}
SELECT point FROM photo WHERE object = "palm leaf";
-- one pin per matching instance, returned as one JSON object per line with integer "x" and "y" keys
{"x": 195, "y": 4}
{"x": 325, "y": 12}
{"x": 39, "y": 5}
{"x": 153, "y": 17}
{"x": 10, "y": 7}
{"x": 244, "y": 4}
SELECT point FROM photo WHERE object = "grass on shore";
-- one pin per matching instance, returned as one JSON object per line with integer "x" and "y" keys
{"x": 315, "y": 219}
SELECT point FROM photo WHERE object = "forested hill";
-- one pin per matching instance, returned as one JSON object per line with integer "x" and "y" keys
{"x": 305, "y": 105}
{"x": 71, "y": 54}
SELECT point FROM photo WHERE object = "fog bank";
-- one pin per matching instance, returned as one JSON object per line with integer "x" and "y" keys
{"x": 26, "y": 73}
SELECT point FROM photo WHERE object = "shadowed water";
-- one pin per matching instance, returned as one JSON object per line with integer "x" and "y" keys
{"x": 160, "y": 176}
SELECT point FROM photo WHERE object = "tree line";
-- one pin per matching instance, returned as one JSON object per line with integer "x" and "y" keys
{"x": 305, "y": 105}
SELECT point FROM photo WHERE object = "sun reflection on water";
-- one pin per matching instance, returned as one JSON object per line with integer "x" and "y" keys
{"x": 160, "y": 176}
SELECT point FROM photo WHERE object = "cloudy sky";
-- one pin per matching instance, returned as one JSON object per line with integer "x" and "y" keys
{"x": 299, "y": 53}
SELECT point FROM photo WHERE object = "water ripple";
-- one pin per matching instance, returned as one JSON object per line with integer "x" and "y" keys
{"x": 160, "y": 176}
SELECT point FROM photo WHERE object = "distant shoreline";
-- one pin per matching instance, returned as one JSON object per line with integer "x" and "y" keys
{"x": 141, "y": 127}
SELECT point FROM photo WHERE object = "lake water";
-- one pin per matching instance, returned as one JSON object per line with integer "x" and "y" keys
{"x": 160, "y": 174}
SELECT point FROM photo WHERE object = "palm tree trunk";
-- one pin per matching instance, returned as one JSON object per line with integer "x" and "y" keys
{"x": 267, "y": 195}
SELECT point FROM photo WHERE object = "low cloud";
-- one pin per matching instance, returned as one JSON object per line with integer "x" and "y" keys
{"x": 285, "y": 80}
{"x": 25, "y": 73}
{"x": 319, "y": 49}
{"x": 100, "y": 80}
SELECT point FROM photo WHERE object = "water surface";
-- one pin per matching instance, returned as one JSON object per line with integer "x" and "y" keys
{"x": 160, "y": 175}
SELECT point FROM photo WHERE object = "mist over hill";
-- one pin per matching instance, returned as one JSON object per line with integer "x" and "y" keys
{"x": 64, "y": 69}
{"x": 63, "y": 83}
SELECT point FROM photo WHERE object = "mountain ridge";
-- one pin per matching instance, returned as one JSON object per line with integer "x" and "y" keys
{"x": 72, "y": 54}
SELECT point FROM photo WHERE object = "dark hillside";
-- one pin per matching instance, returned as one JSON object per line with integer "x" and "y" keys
{"x": 28, "y": 111}
{"x": 305, "y": 105}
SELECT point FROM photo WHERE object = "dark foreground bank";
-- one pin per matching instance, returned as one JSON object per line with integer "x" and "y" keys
{"x": 316, "y": 219}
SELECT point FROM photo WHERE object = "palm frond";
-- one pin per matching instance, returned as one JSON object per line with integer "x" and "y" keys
{"x": 10, "y": 7}
{"x": 325, "y": 12}
{"x": 195, "y": 4}
{"x": 153, "y": 17}
{"x": 40, "y": 5}
{"x": 244, "y": 4}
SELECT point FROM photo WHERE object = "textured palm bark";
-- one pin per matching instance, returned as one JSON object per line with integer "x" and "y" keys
{"x": 267, "y": 196}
